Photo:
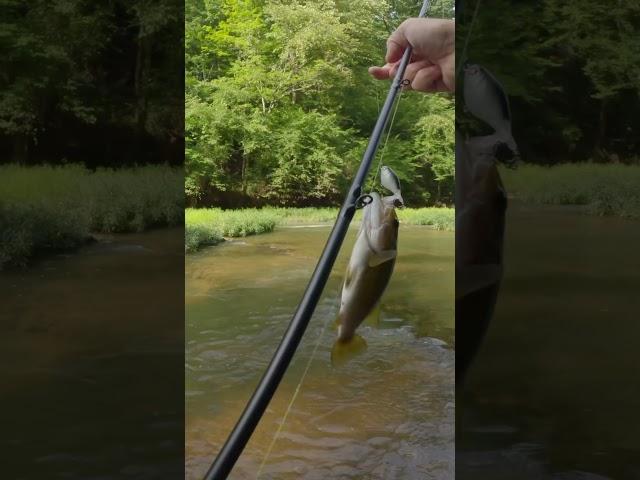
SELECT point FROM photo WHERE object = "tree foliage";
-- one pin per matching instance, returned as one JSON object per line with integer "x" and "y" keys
{"x": 279, "y": 104}
{"x": 93, "y": 82}
{"x": 571, "y": 69}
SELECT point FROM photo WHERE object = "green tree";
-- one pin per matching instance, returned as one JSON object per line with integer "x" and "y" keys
{"x": 46, "y": 65}
{"x": 279, "y": 102}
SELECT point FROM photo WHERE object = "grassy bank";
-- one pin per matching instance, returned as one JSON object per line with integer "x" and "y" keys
{"x": 51, "y": 208}
{"x": 209, "y": 226}
{"x": 603, "y": 189}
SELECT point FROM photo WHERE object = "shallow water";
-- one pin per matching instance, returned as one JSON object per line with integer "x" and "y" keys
{"x": 91, "y": 361}
{"x": 553, "y": 393}
{"x": 387, "y": 414}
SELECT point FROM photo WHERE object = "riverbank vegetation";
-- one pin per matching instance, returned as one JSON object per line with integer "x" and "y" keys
{"x": 97, "y": 83}
{"x": 604, "y": 189}
{"x": 209, "y": 226}
{"x": 279, "y": 109}
{"x": 49, "y": 208}
{"x": 279, "y": 104}
{"x": 575, "y": 95}
{"x": 89, "y": 88}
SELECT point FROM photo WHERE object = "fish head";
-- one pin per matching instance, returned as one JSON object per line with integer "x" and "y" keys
{"x": 506, "y": 154}
{"x": 381, "y": 224}
{"x": 397, "y": 202}
{"x": 471, "y": 68}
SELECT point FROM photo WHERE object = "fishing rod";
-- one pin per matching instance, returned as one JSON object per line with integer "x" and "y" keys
{"x": 238, "y": 438}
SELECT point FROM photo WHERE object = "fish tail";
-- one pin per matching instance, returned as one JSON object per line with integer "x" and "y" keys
{"x": 345, "y": 350}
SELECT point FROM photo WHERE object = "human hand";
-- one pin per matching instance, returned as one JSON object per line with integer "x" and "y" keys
{"x": 432, "y": 65}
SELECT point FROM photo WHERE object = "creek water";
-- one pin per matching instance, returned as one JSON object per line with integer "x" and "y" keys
{"x": 387, "y": 414}
{"x": 553, "y": 392}
{"x": 91, "y": 361}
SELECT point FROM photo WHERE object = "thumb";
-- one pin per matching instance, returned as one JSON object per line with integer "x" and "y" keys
{"x": 396, "y": 44}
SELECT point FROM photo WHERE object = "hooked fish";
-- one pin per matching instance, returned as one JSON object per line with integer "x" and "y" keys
{"x": 391, "y": 182}
{"x": 368, "y": 273}
{"x": 480, "y": 206}
{"x": 486, "y": 99}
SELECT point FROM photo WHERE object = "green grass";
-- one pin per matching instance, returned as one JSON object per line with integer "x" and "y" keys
{"x": 604, "y": 189}
{"x": 209, "y": 226}
{"x": 198, "y": 235}
{"x": 50, "y": 208}
{"x": 441, "y": 218}
{"x": 302, "y": 216}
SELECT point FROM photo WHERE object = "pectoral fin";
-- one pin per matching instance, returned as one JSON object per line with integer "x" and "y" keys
{"x": 381, "y": 257}
{"x": 342, "y": 352}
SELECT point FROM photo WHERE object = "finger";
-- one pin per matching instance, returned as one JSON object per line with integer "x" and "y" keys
{"x": 386, "y": 72}
{"x": 448, "y": 73}
{"x": 380, "y": 73}
{"x": 396, "y": 44}
{"x": 440, "y": 86}
{"x": 414, "y": 68}
{"x": 426, "y": 80}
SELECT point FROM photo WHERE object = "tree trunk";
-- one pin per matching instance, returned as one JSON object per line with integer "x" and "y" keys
{"x": 244, "y": 175}
{"x": 142, "y": 64}
{"x": 602, "y": 128}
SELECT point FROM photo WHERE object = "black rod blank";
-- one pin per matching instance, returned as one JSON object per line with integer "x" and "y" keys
{"x": 260, "y": 399}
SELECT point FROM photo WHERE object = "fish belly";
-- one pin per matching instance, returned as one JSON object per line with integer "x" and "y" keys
{"x": 362, "y": 295}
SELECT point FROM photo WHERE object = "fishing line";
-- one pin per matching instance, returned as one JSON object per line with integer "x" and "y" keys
{"x": 324, "y": 327}
{"x": 386, "y": 140}
{"x": 466, "y": 40}
{"x": 293, "y": 398}
{"x": 403, "y": 83}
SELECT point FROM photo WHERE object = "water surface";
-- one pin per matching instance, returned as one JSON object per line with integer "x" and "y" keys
{"x": 554, "y": 391}
{"x": 91, "y": 361}
{"x": 388, "y": 414}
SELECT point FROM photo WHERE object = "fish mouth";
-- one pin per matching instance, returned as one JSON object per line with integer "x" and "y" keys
{"x": 505, "y": 155}
{"x": 470, "y": 68}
